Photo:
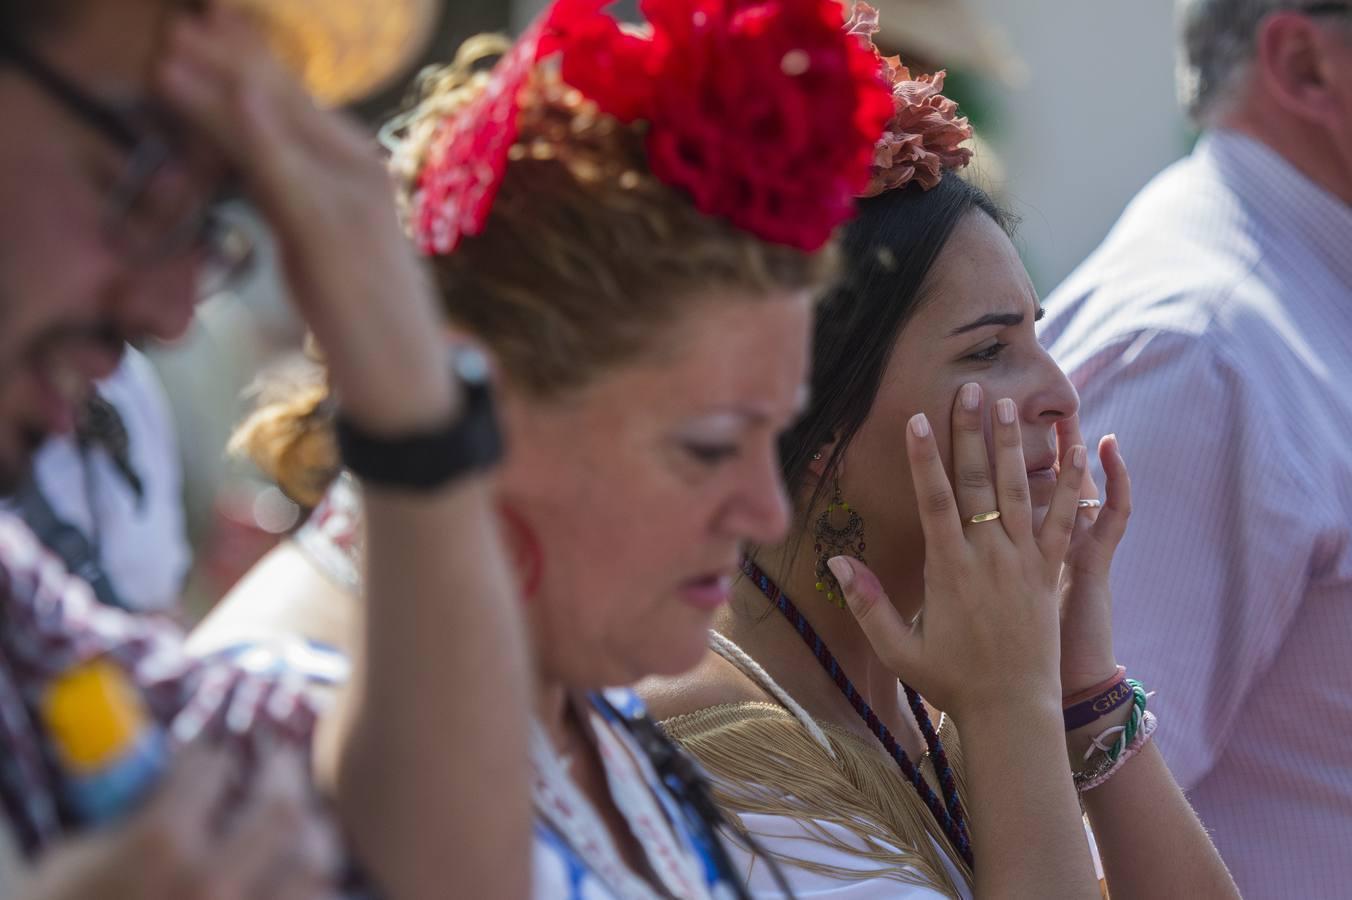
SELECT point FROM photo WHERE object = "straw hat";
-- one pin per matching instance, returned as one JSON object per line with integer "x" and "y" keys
{"x": 950, "y": 34}
{"x": 345, "y": 50}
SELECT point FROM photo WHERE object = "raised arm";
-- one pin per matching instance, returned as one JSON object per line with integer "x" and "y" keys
{"x": 432, "y": 785}
{"x": 1151, "y": 841}
{"x": 985, "y": 648}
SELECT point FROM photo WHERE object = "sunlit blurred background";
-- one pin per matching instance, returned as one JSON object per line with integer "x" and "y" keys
{"x": 1074, "y": 105}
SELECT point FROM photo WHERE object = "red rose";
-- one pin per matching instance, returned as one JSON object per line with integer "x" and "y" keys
{"x": 610, "y": 67}
{"x": 765, "y": 112}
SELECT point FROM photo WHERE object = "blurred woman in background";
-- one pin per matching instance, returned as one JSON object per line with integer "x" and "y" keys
{"x": 636, "y": 228}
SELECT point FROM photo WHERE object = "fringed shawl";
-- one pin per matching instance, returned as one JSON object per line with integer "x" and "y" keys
{"x": 765, "y": 761}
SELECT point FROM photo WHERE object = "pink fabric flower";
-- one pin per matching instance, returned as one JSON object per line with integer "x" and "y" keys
{"x": 924, "y": 137}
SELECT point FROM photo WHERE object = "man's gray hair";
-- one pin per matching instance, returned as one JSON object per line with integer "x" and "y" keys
{"x": 1218, "y": 42}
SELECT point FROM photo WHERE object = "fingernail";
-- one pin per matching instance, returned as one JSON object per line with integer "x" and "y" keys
{"x": 920, "y": 426}
{"x": 971, "y": 396}
{"x": 1005, "y": 411}
{"x": 841, "y": 568}
{"x": 1079, "y": 457}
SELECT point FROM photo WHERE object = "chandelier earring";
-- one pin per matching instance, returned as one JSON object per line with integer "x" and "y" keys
{"x": 839, "y": 532}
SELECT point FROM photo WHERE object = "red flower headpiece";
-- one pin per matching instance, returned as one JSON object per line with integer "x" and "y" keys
{"x": 924, "y": 135}
{"x": 765, "y": 112}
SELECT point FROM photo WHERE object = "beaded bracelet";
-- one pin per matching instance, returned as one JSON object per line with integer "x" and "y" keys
{"x": 1087, "y": 781}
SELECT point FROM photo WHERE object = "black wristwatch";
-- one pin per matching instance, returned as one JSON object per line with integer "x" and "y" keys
{"x": 430, "y": 459}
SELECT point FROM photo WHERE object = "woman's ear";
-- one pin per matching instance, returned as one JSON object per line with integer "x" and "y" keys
{"x": 523, "y": 547}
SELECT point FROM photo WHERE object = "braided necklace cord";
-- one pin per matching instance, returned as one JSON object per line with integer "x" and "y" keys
{"x": 948, "y": 812}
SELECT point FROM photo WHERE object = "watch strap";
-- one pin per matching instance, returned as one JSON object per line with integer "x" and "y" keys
{"x": 426, "y": 460}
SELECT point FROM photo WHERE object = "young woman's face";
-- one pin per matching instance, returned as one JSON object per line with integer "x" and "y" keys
{"x": 976, "y": 325}
{"x": 642, "y": 489}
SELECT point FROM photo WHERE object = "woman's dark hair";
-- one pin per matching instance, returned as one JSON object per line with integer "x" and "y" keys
{"x": 888, "y": 252}
{"x": 19, "y": 19}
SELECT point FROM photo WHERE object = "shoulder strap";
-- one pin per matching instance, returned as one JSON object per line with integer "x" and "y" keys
{"x": 725, "y": 648}
{"x": 67, "y": 542}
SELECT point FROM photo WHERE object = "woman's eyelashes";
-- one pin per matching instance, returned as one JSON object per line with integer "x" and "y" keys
{"x": 987, "y": 354}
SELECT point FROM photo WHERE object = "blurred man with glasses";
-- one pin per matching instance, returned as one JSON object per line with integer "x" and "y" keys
{"x": 147, "y": 234}
{"x": 1211, "y": 331}
{"x": 84, "y": 498}
{"x": 126, "y": 124}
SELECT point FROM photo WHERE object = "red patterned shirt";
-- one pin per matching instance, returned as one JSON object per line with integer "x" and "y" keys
{"x": 50, "y": 622}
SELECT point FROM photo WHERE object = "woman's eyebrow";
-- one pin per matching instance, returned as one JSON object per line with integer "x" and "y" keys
{"x": 1004, "y": 320}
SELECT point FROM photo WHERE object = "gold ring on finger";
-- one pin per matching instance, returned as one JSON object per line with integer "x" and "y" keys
{"x": 984, "y": 517}
{"x": 1089, "y": 504}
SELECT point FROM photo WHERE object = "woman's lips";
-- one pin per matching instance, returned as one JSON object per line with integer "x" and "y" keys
{"x": 1042, "y": 485}
{"x": 708, "y": 592}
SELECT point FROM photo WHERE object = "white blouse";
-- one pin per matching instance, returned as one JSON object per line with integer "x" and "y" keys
{"x": 788, "y": 837}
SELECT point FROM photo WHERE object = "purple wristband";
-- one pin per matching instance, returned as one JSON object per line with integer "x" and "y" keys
{"x": 1095, "y": 708}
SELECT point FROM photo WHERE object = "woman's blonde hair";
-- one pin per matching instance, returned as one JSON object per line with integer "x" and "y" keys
{"x": 583, "y": 260}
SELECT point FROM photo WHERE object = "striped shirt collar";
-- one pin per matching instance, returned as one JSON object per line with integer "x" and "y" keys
{"x": 1282, "y": 200}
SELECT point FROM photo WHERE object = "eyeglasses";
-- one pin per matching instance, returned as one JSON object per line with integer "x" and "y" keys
{"x": 154, "y": 212}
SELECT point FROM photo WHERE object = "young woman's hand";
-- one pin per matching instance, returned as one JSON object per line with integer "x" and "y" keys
{"x": 989, "y": 632}
{"x": 319, "y": 181}
{"x": 1087, "y": 656}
